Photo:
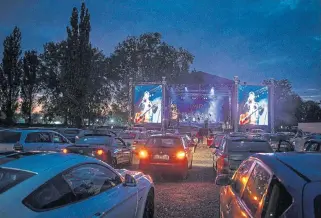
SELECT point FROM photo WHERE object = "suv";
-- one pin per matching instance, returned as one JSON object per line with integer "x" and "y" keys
{"x": 232, "y": 151}
{"x": 274, "y": 185}
{"x": 32, "y": 140}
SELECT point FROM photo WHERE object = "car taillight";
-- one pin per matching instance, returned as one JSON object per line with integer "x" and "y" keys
{"x": 135, "y": 142}
{"x": 65, "y": 151}
{"x": 100, "y": 152}
{"x": 180, "y": 155}
{"x": 143, "y": 154}
{"x": 222, "y": 163}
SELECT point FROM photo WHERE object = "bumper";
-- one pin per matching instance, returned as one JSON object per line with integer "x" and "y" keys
{"x": 169, "y": 168}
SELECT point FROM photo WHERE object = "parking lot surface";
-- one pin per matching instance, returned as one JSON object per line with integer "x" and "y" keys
{"x": 197, "y": 196}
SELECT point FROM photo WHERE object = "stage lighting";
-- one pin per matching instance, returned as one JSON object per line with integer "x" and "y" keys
{"x": 212, "y": 91}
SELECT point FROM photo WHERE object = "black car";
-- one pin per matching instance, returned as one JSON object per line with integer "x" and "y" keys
{"x": 166, "y": 154}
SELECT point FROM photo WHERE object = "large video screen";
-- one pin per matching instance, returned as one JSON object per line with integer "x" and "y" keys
{"x": 200, "y": 109}
{"x": 253, "y": 105}
{"x": 148, "y": 104}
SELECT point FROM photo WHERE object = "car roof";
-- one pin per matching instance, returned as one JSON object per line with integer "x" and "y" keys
{"x": 29, "y": 130}
{"x": 38, "y": 161}
{"x": 167, "y": 135}
{"x": 306, "y": 165}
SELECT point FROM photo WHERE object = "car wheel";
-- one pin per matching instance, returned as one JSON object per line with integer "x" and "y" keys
{"x": 149, "y": 206}
{"x": 184, "y": 174}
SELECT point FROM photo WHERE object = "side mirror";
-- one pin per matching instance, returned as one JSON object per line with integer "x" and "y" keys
{"x": 223, "y": 180}
{"x": 130, "y": 181}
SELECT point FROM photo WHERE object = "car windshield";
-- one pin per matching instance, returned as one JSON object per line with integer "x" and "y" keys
{"x": 97, "y": 140}
{"x": 127, "y": 135}
{"x": 249, "y": 146}
{"x": 9, "y": 136}
{"x": 164, "y": 142}
{"x": 10, "y": 178}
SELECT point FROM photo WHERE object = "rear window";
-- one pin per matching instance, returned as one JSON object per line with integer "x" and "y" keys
{"x": 125, "y": 135}
{"x": 250, "y": 146}
{"x": 10, "y": 178}
{"x": 95, "y": 140}
{"x": 9, "y": 137}
{"x": 164, "y": 142}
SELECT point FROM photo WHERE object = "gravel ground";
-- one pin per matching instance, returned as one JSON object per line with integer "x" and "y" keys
{"x": 197, "y": 196}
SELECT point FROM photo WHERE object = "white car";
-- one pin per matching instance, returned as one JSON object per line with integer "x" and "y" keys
{"x": 50, "y": 185}
{"x": 135, "y": 138}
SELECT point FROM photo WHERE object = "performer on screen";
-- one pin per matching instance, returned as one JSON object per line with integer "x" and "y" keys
{"x": 147, "y": 108}
{"x": 253, "y": 111}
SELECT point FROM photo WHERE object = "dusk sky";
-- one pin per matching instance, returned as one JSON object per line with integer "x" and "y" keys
{"x": 254, "y": 39}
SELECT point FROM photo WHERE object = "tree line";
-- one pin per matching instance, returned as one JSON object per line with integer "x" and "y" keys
{"x": 76, "y": 81}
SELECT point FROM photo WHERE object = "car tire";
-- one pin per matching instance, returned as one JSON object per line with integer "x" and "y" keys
{"x": 149, "y": 205}
{"x": 184, "y": 174}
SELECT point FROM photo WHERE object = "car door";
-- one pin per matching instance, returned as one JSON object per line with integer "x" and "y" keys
{"x": 102, "y": 191}
{"x": 254, "y": 192}
{"x": 229, "y": 195}
{"x": 37, "y": 141}
{"x": 218, "y": 152}
{"x": 125, "y": 150}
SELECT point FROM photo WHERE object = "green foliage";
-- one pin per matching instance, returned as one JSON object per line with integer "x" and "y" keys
{"x": 30, "y": 83}
{"x": 10, "y": 74}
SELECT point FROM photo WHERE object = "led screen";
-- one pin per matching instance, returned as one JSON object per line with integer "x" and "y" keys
{"x": 200, "y": 108}
{"x": 253, "y": 105}
{"x": 148, "y": 104}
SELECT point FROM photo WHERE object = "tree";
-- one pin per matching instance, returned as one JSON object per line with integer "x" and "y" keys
{"x": 10, "y": 75}
{"x": 309, "y": 111}
{"x": 146, "y": 58}
{"x": 30, "y": 83}
{"x": 286, "y": 102}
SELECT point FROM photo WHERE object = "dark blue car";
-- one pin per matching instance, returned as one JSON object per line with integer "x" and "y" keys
{"x": 273, "y": 185}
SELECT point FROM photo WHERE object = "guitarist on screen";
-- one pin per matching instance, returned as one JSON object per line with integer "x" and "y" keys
{"x": 147, "y": 108}
{"x": 253, "y": 111}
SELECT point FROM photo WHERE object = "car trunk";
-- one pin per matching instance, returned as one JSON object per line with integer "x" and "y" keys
{"x": 84, "y": 149}
{"x": 6, "y": 147}
{"x": 163, "y": 154}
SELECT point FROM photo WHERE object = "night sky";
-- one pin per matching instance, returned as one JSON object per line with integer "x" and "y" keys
{"x": 254, "y": 39}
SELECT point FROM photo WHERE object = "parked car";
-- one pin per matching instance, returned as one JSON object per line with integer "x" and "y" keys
{"x": 218, "y": 138}
{"x": 166, "y": 154}
{"x": 313, "y": 145}
{"x": 232, "y": 151}
{"x": 54, "y": 185}
{"x": 274, "y": 185}
{"x": 87, "y": 132}
{"x": 113, "y": 151}
{"x": 32, "y": 140}
{"x": 69, "y": 133}
{"x": 136, "y": 139}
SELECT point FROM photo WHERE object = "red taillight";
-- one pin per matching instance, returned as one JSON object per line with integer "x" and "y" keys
{"x": 180, "y": 155}
{"x": 143, "y": 154}
{"x": 100, "y": 152}
{"x": 65, "y": 151}
{"x": 222, "y": 162}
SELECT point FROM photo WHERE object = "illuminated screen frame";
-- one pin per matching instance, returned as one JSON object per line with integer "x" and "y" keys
{"x": 148, "y": 103}
{"x": 253, "y": 105}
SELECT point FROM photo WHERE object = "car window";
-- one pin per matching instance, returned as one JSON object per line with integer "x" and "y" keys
{"x": 54, "y": 193}
{"x": 252, "y": 146}
{"x": 142, "y": 136}
{"x": 167, "y": 142}
{"x": 38, "y": 137}
{"x": 10, "y": 178}
{"x": 9, "y": 137}
{"x": 313, "y": 147}
{"x": 125, "y": 135}
{"x": 58, "y": 139}
{"x": 256, "y": 187}
{"x": 95, "y": 140}
{"x": 91, "y": 179}
{"x": 241, "y": 176}
{"x": 120, "y": 143}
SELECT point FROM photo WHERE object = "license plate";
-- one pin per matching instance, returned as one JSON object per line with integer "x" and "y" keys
{"x": 161, "y": 157}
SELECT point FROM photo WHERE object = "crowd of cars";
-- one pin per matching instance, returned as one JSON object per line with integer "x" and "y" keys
{"x": 267, "y": 175}
{"x": 50, "y": 172}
